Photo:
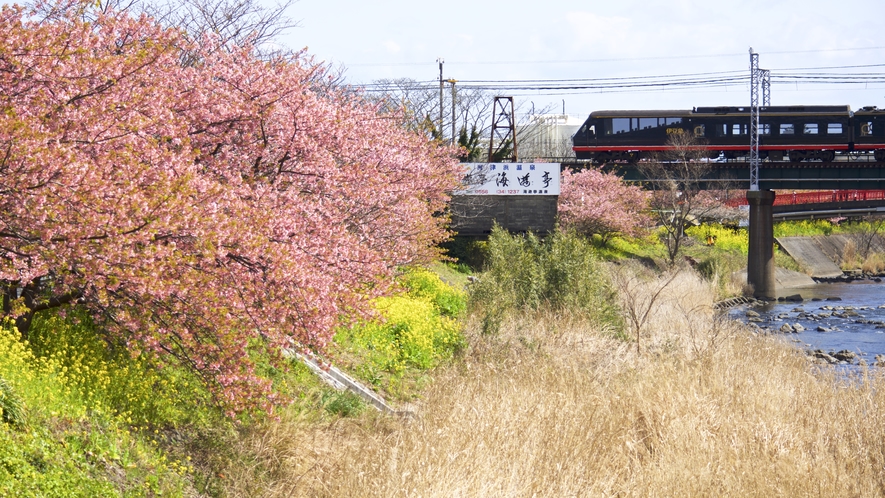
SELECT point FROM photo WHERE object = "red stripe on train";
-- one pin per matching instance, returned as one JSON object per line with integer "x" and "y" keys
{"x": 735, "y": 148}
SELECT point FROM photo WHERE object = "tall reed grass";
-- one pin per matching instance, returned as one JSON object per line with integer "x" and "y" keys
{"x": 550, "y": 406}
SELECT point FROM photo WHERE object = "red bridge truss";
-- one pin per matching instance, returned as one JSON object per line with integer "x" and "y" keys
{"x": 787, "y": 198}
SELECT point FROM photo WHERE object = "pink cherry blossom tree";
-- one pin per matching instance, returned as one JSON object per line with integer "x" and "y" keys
{"x": 594, "y": 202}
{"x": 200, "y": 209}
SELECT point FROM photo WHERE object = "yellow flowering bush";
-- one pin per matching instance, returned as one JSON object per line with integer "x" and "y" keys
{"x": 725, "y": 238}
{"x": 804, "y": 228}
{"x": 76, "y": 437}
{"x": 109, "y": 378}
{"x": 415, "y": 329}
{"x": 426, "y": 284}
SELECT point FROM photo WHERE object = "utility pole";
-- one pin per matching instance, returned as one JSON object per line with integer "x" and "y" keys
{"x": 440, "y": 127}
{"x": 453, "y": 109}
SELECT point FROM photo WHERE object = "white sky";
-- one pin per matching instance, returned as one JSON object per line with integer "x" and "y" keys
{"x": 556, "y": 39}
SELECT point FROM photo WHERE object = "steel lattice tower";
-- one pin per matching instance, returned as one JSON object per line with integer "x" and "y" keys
{"x": 754, "y": 120}
{"x": 766, "y": 87}
{"x": 503, "y": 128}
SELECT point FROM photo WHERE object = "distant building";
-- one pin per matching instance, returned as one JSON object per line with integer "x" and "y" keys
{"x": 547, "y": 137}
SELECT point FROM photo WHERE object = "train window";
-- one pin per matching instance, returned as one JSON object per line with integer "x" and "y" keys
{"x": 765, "y": 129}
{"x": 834, "y": 128}
{"x": 811, "y": 128}
{"x": 672, "y": 121}
{"x": 722, "y": 130}
{"x": 620, "y": 125}
{"x": 787, "y": 129}
{"x": 739, "y": 129}
{"x": 645, "y": 123}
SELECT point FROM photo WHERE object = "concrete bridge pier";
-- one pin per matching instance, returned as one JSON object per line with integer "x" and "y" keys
{"x": 760, "y": 260}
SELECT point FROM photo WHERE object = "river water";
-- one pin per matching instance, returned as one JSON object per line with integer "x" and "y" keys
{"x": 835, "y": 317}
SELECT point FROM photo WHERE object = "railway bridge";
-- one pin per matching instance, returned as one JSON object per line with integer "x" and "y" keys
{"x": 836, "y": 175}
{"x": 826, "y": 204}
{"x": 858, "y": 174}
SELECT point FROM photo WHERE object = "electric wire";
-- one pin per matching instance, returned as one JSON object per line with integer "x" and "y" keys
{"x": 701, "y": 80}
{"x": 612, "y": 59}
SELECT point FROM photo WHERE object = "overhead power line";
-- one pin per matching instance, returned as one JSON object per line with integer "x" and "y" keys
{"x": 702, "y": 80}
{"x": 611, "y": 59}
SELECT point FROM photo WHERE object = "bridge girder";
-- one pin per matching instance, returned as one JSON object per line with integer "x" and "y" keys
{"x": 773, "y": 176}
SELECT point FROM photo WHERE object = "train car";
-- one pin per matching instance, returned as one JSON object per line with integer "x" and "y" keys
{"x": 869, "y": 129}
{"x": 794, "y": 133}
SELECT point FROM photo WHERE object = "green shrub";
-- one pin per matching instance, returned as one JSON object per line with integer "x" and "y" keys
{"x": 525, "y": 272}
{"x": 710, "y": 269}
{"x": 12, "y": 410}
{"x": 468, "y": 251}
{"x": 33, "y": 465}
{"x": 343, "y": 404}
{"x": 459, "y": 267}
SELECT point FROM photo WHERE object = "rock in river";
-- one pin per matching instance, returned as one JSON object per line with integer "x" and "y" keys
{"x": 845, "y": 355}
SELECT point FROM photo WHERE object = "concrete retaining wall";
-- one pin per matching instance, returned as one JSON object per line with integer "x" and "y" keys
{"x": 810, "y": 256}
{"x": 474, "y": 215}
{"x": 821, "y": 255}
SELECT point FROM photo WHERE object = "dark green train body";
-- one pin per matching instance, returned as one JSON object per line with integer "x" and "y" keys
{"x": 794, "y": 133}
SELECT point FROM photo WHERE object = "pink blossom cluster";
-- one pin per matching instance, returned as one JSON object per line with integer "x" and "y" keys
{"x": 198, "y": 199}
{"x": 595, "y": 202}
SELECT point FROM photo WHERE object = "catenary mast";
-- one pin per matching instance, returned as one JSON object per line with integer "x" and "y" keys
{"x": 754, "y": 120}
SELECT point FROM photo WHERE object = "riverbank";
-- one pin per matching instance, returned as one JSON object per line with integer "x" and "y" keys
{"x": 544, "y": 401}
{"x": 830, "y": 257}
{"x": 838, "y": 323}
{"x": 553, "y": 406}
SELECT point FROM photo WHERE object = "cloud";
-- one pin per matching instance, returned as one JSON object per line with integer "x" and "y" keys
{"x": 392, "y": 46}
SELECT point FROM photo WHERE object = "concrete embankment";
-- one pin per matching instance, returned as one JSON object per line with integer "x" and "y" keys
{"x": 810, "y": 256}
{"x": 818, "y": 255}
{"x": 785, "y": 279}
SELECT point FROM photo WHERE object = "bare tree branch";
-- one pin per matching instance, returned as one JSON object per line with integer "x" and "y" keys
{"x": 679, "y": 179}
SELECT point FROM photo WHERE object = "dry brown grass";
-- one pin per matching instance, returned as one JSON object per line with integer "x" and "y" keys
{"x": 874, "y": 263}
{"x": 850, "y": 257}
{"x": 550, "y": 407}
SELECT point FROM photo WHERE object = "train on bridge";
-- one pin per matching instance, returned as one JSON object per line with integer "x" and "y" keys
{"x": 786, "y": 133}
